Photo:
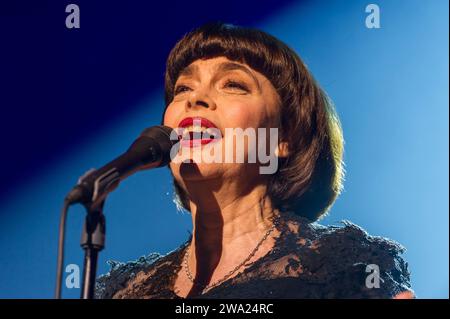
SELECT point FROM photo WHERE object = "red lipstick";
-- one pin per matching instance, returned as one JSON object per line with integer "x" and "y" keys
{"x": 194, "y": 137}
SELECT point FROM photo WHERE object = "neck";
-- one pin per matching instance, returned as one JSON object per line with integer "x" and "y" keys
{"x": 230, "y": 206}
{"x": 227, "y": 226}
{"x": 234, "y": 217}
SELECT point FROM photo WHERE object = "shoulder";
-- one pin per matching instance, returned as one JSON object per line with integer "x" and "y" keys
{"x": 312, "y": 261}
{"x": 349, "y": 261}
{"x": 138, "y": 278}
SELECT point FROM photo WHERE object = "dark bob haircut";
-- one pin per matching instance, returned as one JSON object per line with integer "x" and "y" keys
{"x": 309, "y": 180}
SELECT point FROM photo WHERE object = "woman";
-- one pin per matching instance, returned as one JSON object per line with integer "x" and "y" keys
{"x": 254, "y": 234}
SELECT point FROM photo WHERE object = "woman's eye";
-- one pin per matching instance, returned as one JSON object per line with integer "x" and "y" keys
{"x": 180, "y": 89}
{"x": 236, "y": 85}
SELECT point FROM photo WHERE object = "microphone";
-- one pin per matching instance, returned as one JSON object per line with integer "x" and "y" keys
{"x": 150, "y": 150}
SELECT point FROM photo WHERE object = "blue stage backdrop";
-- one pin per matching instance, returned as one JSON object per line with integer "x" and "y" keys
{"x": 75, "y": 99}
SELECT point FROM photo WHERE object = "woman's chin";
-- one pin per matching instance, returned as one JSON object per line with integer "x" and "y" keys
{"x": 204, "y": 151}
{"x": 189, "y": 170}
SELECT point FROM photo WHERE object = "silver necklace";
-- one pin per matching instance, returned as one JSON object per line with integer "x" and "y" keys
{"x": 218, "y": 282}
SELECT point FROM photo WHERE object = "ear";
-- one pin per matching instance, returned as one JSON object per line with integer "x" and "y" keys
{"x": 282, "y": 150}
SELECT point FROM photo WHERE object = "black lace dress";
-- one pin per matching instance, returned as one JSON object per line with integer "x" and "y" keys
{"x": 308, "y": 261}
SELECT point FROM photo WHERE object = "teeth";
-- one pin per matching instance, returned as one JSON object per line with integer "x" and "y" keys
{"x": 191, "y": 128}
{"x": 198, "y": 129}
{"x": 210, "y": 131}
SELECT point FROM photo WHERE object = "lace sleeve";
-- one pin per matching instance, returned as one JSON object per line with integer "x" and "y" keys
{"x": 148, "y": 277}
{"x": 358, "y": 265}
{"x": 120, "y": 274}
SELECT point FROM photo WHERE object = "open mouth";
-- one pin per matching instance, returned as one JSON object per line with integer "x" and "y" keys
{"x": 196, "y": 131}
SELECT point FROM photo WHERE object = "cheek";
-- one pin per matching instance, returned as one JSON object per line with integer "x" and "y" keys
{"x": 243, "y": 114}
{"x": 171, "y": 115}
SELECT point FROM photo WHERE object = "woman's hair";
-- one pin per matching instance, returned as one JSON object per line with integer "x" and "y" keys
{"x": 308, "y": 181}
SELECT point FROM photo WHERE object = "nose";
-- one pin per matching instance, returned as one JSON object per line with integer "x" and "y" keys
{"x": 200, "y": 99}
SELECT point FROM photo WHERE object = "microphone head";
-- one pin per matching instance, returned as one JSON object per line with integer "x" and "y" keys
{"x": 166, "y": 138}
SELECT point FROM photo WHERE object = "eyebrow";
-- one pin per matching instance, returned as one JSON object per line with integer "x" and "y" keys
{"x": 189, "y": 70}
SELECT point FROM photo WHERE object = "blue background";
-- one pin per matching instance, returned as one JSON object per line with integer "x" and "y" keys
{"x": 74, "y": 99}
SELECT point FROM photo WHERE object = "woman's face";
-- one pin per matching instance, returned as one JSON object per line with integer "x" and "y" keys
{"x": 221, "y": 94}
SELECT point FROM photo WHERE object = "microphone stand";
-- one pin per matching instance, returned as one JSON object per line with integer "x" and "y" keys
{"x": 92, "y": 241}
{"x": 151, "y": 149}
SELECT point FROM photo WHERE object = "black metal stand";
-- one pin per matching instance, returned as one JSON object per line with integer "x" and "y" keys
{"x": 92, "y": 241}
